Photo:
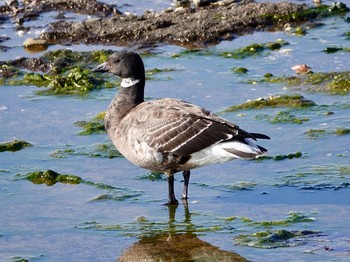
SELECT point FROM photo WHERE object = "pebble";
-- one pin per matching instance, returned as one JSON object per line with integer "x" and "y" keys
{"x": 35, "y": 45}
{"x": 34, "y": 42}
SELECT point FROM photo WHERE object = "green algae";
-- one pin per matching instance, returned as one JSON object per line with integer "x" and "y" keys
{"x": 25, "y": 259}
{"x": 140, "y": 227}
{"x": 240, "y": 186}
{"x": 344, "y": 170}
{"x": 90, "y": 127}
{"x": 65, "y": 59}
{"x": 300, "y": 31}
{"x": 196, "y": 52}
{"x": 311, "y": 13}
{"x": 153, "y": 176}
{"x": 113, "y": 193}
{"x": 14, "y": 145}
{"x": 97, "y": 226}
{"x": 106, "y": 151}
{"x": 292, "y": 218}
{"x": 317, "y": 133}
{"x": 315, "y": 177}
{"x": 7, "y": 71}
{"x": 334, "y": 49}
{"x": 74, "y": 82}
{"x": 116, "y": 195}
{"x": 67, "y": 73}
{"x": 291, "y": 101}
{"x": 150, "y": 73}
{"x": 330, "y": 82}
{"x": 283, "y": 117}
{"x": 253, "y": 49}
{"x": 281, "y": 157}
{"x": 347, "y": 35}
{"x": 342, "y": 131}
{"x": 240, "y": 70}
{"x": 51, "y": 177}
{"x": 95, "y": 151}
{"x": 143, "y": 226}
{"x": 94, "y": 126}
{"x": 289, "y": 156}
{"x": 338, "y": 8}
{"x": 275, "y": 238}
{"x": 100, "y": 56}
{"x": 157, "y": 70}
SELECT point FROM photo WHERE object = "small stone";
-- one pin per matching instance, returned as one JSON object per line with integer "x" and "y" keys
{"x": 35, "y": 45}
{"x": 32, "y": 42}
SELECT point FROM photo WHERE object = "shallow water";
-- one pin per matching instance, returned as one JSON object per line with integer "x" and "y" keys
{"x": 86, "y": 222}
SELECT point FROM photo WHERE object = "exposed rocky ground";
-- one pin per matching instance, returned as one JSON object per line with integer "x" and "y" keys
{"x": 193, "y": 26}
{"x": 184, "y": 26}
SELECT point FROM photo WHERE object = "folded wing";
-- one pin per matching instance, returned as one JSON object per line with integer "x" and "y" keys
{"x": 180, "y": 128}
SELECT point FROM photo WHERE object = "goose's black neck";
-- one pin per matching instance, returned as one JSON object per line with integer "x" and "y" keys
{"x": 132, "y": 90}
{"x": 125, "y": 100}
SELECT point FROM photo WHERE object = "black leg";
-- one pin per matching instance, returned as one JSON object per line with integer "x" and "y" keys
{"x": 186, "y": 175}
{"x": 171, "y": 199}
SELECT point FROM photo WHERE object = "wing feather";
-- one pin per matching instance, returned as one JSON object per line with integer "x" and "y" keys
{"x": 178, "y": 127}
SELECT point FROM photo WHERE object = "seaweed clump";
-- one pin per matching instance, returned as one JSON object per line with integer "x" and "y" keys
{"x": 76, "y": 81}
{"x": 282, "y": 157}
{"x": 275, "y": 238}
{"x": 292, "y": 101}
{"x": 240, "y": 70}
{"x": 316, "y": 133}
{"x": 99, "y": 150}
{"x": 95, "y": 126}
{"x": 253, "y": 49}
{"x": 283, "y": 117}
{"x": 312, "y": 13}
{"x": 334, "y": 49}
{"x": 50, "y": 177}
{"x": 7, "y": 71}
{"x": 152, "y": 176}
{"x": 14, "y": 145}
{"x": 60, "y": 72}
{"x": 332, "y": 82}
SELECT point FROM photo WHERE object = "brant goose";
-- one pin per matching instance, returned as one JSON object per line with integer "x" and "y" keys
{"x": 169, "y": 135}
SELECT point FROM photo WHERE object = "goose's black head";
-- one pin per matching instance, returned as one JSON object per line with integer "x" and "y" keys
{"x": 130, "y": 68}
{"x": 124, "y": 65}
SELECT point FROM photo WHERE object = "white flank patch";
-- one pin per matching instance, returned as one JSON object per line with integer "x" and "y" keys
{"x": 127, "y": 82}
{"x": 217, "y": 153}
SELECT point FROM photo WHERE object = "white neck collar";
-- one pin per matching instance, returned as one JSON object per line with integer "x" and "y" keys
{"x": 127, "y": 82}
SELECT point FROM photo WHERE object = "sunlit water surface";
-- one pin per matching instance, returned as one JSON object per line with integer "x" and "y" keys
{"x": 66, "y": 223}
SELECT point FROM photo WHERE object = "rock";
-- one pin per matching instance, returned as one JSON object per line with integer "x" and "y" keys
{"x": 35, "y": 45}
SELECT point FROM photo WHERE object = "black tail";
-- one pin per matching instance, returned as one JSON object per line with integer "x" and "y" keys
{"x": 260, "y": 136}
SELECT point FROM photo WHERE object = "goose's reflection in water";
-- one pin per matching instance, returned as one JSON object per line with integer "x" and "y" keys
{"x": 175, "y": 246}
